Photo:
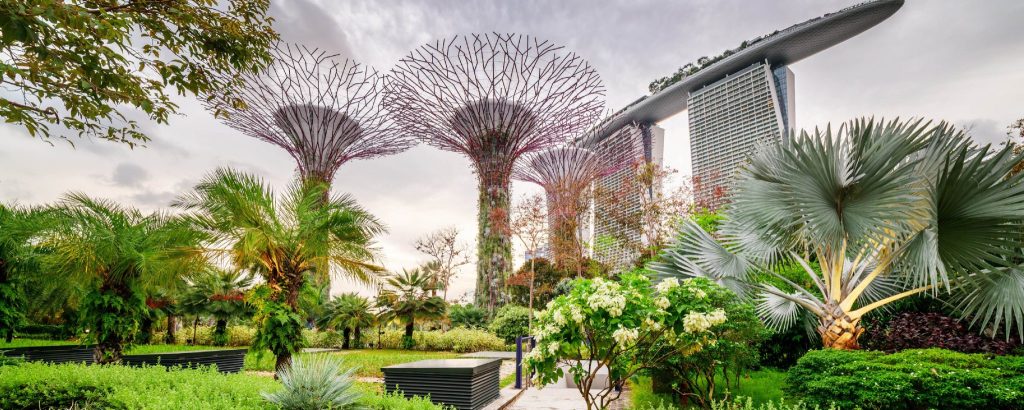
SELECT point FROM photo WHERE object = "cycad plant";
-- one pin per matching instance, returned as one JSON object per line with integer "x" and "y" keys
{"x": 888, "y": 210}
{"x": 219, "y": 293}
{"x": 116, "y": 252}
{"x": 316, "y": 381}
{"x": 406, "y": 297}
{"x": 287, "y": 240}
{"x": 350, "y": 313}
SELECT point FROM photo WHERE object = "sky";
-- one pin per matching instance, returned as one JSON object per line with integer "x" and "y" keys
{"x": 950, "y": 60}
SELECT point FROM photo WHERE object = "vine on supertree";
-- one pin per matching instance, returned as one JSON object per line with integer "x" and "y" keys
{"x": 566, "y": 174}
{"x": 324, "y": 111}
{"x": 493, "y": 98}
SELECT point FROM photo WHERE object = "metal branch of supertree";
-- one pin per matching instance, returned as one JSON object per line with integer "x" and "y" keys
{"x": 457, "y": 94}
{"x": 565, "y": 172}
{"x": 493, "y": 97}
{"x": 324, "y": 111}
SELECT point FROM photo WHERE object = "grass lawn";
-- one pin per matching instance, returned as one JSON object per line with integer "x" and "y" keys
{"x": 19, "y": 342}
{"x": 368, "y": 361}
{"x": 761, "y": 386}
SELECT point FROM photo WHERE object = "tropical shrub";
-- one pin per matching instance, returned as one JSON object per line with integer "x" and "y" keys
{"x": 468, "y": 316}
{"x": 237, "y": 336}
{"x": 67, "y": 386}
{"x": 306, "y": 233}
{"x": 325, "y": 339}
{"x": 911, "y": 379}
{"x": 221, "y": 294}
{"x": 36, "y": 385}
{"x": 510, "y": 322}
{"x": 17, "y": 260}
{"x": 316, "y": 381}
{"x": 457, "y": 340}
{"x": 919, "y": 330}
{"x": 625, "y": 327}
{"x": 888, "y": 209}
{"x": 692, "y": 376}
{"x": 115, "y": 252}
{"x": 349, "y": 313}
{"x": 408, "y": 297}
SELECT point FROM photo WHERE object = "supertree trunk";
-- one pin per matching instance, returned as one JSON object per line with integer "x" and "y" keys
{"x": 494, "y": 241}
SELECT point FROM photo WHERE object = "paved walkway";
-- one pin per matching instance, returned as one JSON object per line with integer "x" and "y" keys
{"x": 491, "y": 355}
{"x": 553, "y": 398}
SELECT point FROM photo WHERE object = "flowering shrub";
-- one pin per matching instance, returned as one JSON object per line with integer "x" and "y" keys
{"x": 623, "y": 327}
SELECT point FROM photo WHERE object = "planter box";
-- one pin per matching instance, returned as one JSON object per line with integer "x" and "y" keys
{"x": 53, "y": 354}
{"x": 227, "y": 361}
{"x": 466, "y": 384}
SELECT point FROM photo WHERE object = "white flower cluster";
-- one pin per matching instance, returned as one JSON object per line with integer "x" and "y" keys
{"x": 667, "y": 285}
{"x": 696, "y": 322}
{"x": 624, "y": 336}
{"x": 662, "y": 302}
{"x": 576, "y": 313}
{"x": 606, "y": 297}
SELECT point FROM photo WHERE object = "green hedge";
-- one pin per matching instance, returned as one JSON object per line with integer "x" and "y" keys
{"x": 911, "y": 379}
{"x": 458, "y": 340}
{"x": 43, "y": 386}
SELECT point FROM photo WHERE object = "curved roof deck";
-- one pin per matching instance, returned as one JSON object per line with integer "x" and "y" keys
{"x": 784, "y": 47}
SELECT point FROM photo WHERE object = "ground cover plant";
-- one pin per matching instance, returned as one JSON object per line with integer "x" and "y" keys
{"x": 37, "y": 385}
{"x": 911, "y": 379}
{"x": 367, "y": 363}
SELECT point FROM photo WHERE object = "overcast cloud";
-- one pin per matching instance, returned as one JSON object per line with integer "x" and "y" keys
{"x": 942, "y": 59}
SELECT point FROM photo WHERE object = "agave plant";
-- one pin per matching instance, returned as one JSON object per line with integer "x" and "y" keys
{"x": 318, "y": 381}
{"x": 888, "y": 210}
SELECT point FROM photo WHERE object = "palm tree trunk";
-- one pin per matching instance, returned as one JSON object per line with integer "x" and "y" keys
{"x": 840, "y": 332}
{"x": 407, "y": 341}
{"x": 357, "y": 342}
{"x": 220, "y": 334}
{"x": 169, "y": 337}
{"x": 195, "y": 328}
{"x": 284, "y": 360}
{"x": 344, "y": 338}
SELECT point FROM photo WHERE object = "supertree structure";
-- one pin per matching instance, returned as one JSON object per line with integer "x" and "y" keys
{"x": 566, "y": 174}
{"x": 322, "y": 110}
{"x": 493, "y": 98}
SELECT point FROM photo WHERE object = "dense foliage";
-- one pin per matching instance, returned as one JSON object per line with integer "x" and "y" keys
{"x": 81, "y": 65}
{"x": 468, "y": 316}
{"x": 408, "y": 297}
{"x": 510, "y": 322}
{"x": 349, "y": 313}
{"x": 911, "y": 379}
{"x": 625, "y": 327}
{"x": 919, "y": 330}
{"x": 220, "y": 294}
{"x": 692, "y": 377}
{"x": 286, "y": 240}
{"x": 317, "y": 381}
{"x": 36, "y": 385}
{"x": 457, "y": 340}
{"x": 115, "y": 252}
{"x": 888, "y": 210}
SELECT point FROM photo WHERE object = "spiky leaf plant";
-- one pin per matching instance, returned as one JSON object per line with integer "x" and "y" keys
{"x": 888, "y": 210}
{"x": 318, "y": 381}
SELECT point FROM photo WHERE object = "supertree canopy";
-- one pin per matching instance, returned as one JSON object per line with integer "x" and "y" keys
{"x": 323, "y": 111}
{"x": 566, "y": 174}
{"x": 493, "y": 98}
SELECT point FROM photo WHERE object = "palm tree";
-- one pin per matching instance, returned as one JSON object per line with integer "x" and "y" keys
{"x": 116, "y": 251}
{"x": 350, "y": 313}
{"x": 407, "y": 297}
{"x": 18, "y": 225}
{"x": 888, "y": 210}
{"x": 219, "y": 293}
{"x": 287, "y": 240}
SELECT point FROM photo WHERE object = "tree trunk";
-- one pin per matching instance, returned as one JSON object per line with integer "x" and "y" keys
{"x": 408, "y": 329}
{"x": 358, "y": 343}
{"x": 284, "y": 360}
{"x": 840, "y": 332}
{"x": 344, "y": 338}
{"x": 220, "y": 333}
{"x": 533, "y": 278}
{"x": 494, "y": 243}
{"x": 195, "y": 328}
{"x": 172, "y": 323}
